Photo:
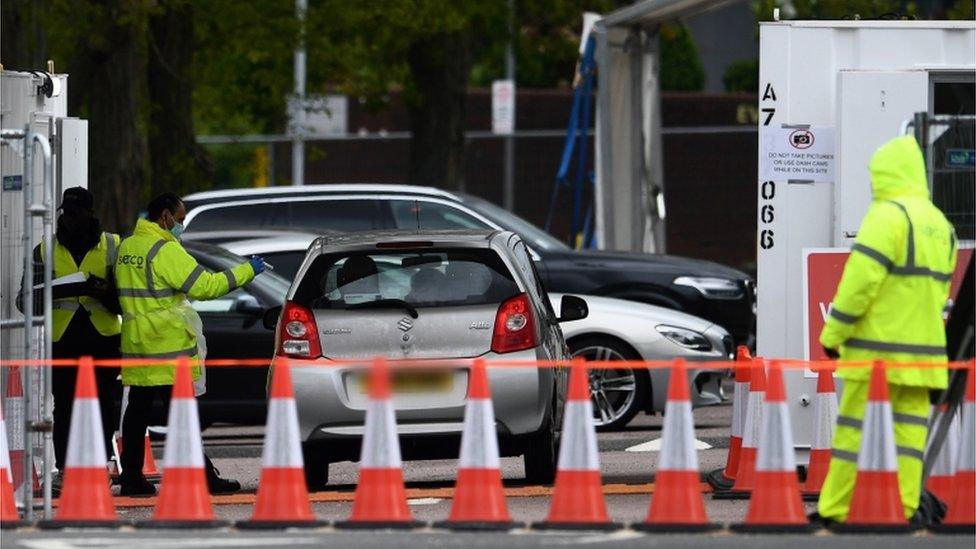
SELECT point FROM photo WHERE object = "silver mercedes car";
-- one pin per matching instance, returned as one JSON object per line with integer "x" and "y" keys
{"x": 438, "y": 298}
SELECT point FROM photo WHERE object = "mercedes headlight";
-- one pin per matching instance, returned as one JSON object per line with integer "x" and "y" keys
{"x": 684, "y": 337}
{"x": 715, "y": 288}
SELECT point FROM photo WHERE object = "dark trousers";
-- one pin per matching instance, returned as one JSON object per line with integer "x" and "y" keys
{"x": 135, "y": 421}
{"x": 138, "y": 414}
{"x": 81, "y": 339}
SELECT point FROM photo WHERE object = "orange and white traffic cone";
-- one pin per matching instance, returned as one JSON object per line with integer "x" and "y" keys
{"x": 723, "y": 479}
{"x": 183, "y": 497}
{"x": 9, "y": 518}
{"x": 577, "y": 498}
{"x": 85, "y": 496}
{"x": 380, "y": 500}
{"x": 876, "y": 502}
{"x": 149, "y": 468}
{"x": 961, "y": 516}
{"x": 677, "y": 504}
{"x": 775, "y": 505}
{"x": 942, "y": 479}
{"x": 14, "y": 410}
{"x": 745, "y": 476}
{"x": 824, "y": 418}
{"x": 282, "y": 495}
{"x": 479, "y": 501}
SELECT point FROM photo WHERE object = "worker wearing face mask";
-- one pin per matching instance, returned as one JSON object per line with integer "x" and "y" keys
{"x": 155, "y": 276}
{"x": 84, "y": 315}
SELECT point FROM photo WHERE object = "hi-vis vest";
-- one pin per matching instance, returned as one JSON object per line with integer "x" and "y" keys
{"x": 890, "y": 300}
{"x": 155, "y": 275}
{"x": 98, "y": 262}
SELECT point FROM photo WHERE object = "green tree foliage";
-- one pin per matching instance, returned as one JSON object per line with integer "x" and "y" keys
{"x": 742, "y": 76}
{"x": 547, "y": 37}
{"x": 681, "y": 67}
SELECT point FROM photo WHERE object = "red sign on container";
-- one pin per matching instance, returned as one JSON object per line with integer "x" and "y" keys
{"x": 822, "y": 270}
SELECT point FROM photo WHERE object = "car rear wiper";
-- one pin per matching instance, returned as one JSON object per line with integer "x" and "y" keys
{"x": 386, "y": 304}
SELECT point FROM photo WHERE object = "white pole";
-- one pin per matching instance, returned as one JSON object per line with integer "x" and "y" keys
{"x": 298, "y": 108}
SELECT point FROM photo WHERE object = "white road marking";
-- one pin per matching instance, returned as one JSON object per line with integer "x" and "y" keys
{"x": 178, "y": 543}
{"x": 590, "y": 539}
{"x": 424, "y": 501}
{"x": 655, "y": 446}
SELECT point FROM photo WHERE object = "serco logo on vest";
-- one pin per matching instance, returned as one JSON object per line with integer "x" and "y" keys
{"x": 136, "y": 260}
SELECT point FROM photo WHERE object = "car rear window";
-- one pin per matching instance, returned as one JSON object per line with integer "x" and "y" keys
{"x": 428, "y": 278}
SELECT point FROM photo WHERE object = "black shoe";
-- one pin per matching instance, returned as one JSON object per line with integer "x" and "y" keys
{"x": 136, "y": 487}
{"x": 218, "y": 485}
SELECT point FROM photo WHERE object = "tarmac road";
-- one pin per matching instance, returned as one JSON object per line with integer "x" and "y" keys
{"x": 236, "y": 452}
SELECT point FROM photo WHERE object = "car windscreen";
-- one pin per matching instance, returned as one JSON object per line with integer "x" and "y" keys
{"x": 537, "y": 237}
{"x": 421, "y": 279}
{"x": 216, "y": 258}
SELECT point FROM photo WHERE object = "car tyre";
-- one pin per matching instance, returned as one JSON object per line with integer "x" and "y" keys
{"x": 541, "y": 455}
{"x": 316, "y": 467}
{"x": 615, "y": 410}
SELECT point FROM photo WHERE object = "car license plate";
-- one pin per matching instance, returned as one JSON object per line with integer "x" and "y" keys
{"x": 415, "y": 382}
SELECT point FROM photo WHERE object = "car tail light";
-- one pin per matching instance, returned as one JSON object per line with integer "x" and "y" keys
{"x": 297, "y": 333}
{"x": 514, "y": 326}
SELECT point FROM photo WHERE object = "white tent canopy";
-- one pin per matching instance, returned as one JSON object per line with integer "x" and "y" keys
{"x": 630, "y": 176}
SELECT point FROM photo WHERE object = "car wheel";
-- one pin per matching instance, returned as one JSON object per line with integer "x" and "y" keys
{"x": 541, "y": 455}
{"x": 617, "y": 395}
{"x": 316, "y": 467}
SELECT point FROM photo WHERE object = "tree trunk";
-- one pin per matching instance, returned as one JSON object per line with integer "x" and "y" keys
{"x": 178, "y": 163}
{"x": 107, "y": 76}
{"x": 23, "y": 40}
{"x": 439, "y": 66}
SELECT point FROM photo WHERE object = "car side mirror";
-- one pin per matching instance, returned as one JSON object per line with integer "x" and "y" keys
{"x": 248, "y": 305}
{"x": 572, "y": 308}
{"x": 270, "y": 319}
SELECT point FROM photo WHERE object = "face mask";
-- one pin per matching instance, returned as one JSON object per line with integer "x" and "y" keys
{"x": 177, "y": 230}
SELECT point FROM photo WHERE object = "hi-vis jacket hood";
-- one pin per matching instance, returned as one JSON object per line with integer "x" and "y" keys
{"x": 898, "y": 170}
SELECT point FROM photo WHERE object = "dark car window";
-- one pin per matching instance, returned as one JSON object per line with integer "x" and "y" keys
{"x": 429, "y": 278}
{"x": 268, "y": 284}
{"x": 329, "y": 215}
{"x": 408, "y": 214}
{"x": 286, "y": 264}
{"x": 223, "y": 217}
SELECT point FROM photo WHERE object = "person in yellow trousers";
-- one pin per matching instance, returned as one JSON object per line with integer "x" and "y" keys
{"x": 155, "y": 275}
{"x": 889, "y": 306}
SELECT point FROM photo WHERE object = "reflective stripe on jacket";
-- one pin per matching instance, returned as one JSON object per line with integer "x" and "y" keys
{"x": 895, "y": 284}
{"x": 155, "y": 275}
{"x": 98, "y": 262}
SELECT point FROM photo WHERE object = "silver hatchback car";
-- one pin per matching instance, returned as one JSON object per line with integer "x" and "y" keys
{"x": 437, "y": 297}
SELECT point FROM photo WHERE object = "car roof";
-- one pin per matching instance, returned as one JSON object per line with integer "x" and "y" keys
{"x": 478, "y": 238}
{"x": 289, "y": 243}
{"x": 209, "y": 197}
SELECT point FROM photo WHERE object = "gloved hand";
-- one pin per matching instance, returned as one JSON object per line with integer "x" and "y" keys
{"x": 257, "y": 263}
{"x": 832, "y": 354}
{"x": 96, "y": 287}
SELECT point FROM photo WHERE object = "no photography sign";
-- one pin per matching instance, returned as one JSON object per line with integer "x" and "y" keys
{"x": 798, "y": 154}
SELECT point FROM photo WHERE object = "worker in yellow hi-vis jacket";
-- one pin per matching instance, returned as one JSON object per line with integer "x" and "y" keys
{"x": 889, "y": 306}
{"x": 155, "y": 275}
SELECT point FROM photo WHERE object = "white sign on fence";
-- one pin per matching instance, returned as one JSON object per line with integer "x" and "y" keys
{"x": 503, "y": 107}
{"x": 324, "y": 114}
{"x": 797, "y": 154}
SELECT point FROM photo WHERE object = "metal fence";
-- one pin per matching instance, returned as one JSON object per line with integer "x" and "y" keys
{"x": 949, "y": 145}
